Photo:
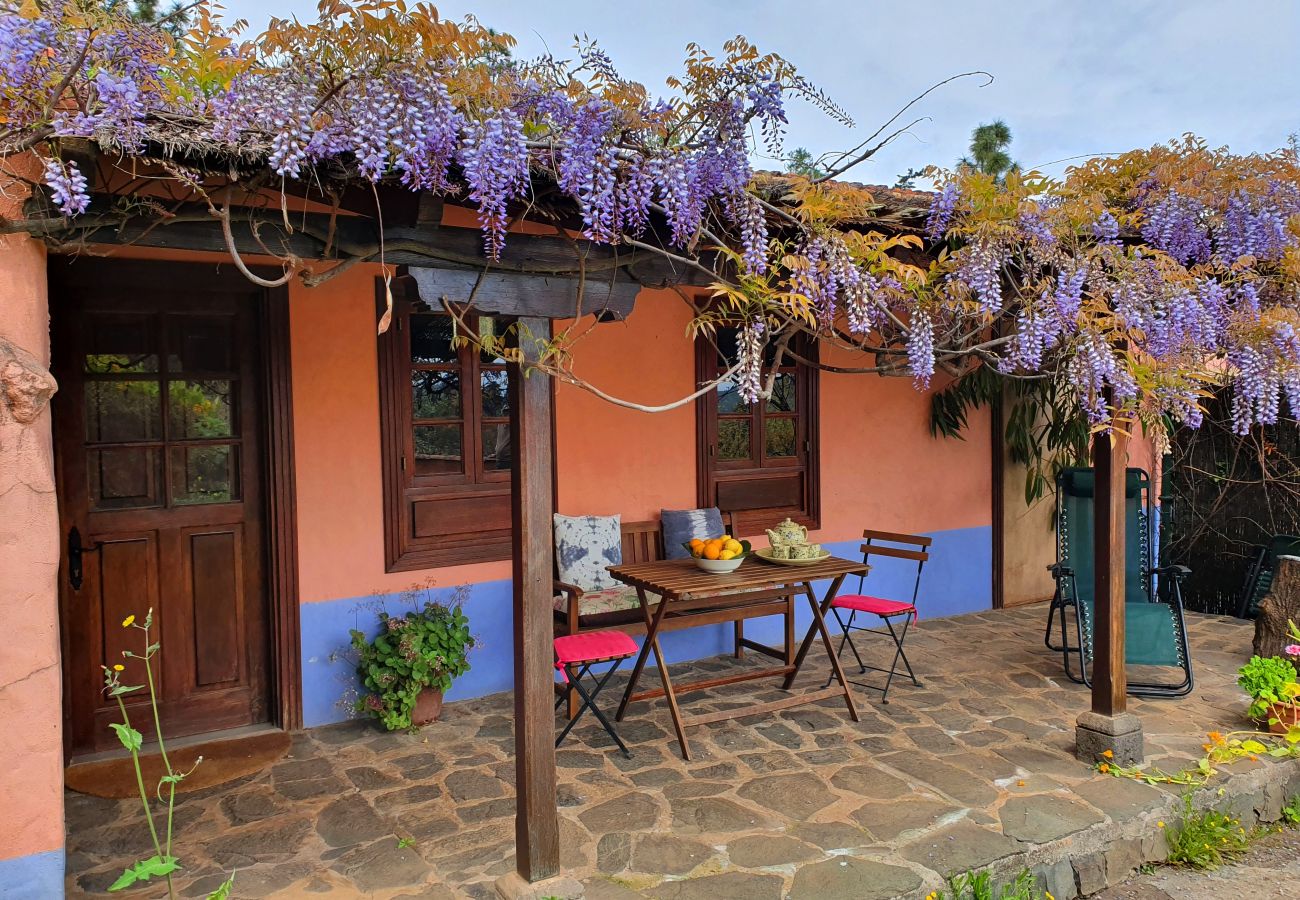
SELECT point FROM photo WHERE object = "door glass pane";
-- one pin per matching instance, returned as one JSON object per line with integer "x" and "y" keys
{"x": 204, "y": 474}
{"x": 122, "y": 411}
{"x": 496, "y": 393}
{"x": 124, "y": 477}
{"x": 121, "y": 343}
{"x": 431, "y": 339}
{"x": 438, "y": 450}
{"x": 780, "y": 437}
{"x": 201, "y": 409}
{"x": 729, "y": 397}
{"x": 200, "y": 343}
{"x": 783, "y": 394}
{"x": 435, "y": 394}
{"x": 733, "y": 438}
{"x": 496, "y": 447}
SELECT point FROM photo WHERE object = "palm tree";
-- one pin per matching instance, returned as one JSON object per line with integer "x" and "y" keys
{"x": 988, "y": 150}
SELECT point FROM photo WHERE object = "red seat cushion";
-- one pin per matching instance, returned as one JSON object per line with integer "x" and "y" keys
{"x": 876, "y": 605}
{"x": 593, "y": 646}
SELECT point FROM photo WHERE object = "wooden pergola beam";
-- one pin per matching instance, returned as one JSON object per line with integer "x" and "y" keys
{"x": 313, "y": 236}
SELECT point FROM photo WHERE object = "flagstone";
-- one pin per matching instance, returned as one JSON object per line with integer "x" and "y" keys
{"x": 796, "y": 796}
{"x": 757, "y": 851}
{"x": 850, "y": 878}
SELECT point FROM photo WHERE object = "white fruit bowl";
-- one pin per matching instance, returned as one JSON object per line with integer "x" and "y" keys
{"x": 719, "y": 566}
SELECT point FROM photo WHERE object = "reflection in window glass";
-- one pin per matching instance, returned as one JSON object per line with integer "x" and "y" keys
{"x": 496, "y": 393}
{"x": 729, "y": 400}
{"x": 496, "y": 447}
{"x": 733, "y": 438}
{"x": 121, "y": 343}
{"x": 438, "y": 450}
{"x": 783, "y": 394}
{"x": 123, "y": 411}
{"x": 779, "y": 437}
{"x": 435, "y": 394}
{"x": 200, "y": 409}
{"x": 208, "y": 474}
{"x": 431, "y": 340}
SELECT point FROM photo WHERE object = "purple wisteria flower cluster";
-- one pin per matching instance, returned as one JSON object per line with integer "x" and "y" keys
{"x": 1108, "y": 313}
{"x": 402, "y": 117}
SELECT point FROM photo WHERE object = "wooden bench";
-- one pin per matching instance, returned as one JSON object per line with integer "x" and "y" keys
{"x": 644, "y": 542}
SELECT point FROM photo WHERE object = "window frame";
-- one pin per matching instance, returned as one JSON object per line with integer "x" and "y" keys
{"x": 713, "y": 471}
{"x": 473, "y": 489}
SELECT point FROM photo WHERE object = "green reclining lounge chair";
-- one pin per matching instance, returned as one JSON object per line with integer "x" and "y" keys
{"x": 1259, "y": 572}
{"x": 1155, "y": 633}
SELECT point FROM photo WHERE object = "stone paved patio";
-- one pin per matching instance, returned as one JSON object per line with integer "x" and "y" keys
{"x": 974, "y": 769}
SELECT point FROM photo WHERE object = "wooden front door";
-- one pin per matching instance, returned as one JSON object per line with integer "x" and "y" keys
{"x": 160, "y": 483}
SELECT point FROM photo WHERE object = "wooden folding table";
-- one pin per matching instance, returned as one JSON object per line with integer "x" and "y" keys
{"x": 690, "y": 597}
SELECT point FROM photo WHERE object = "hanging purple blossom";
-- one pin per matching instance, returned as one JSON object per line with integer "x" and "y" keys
{"x": 1033, "y": 227}
{"x": 747, "y": 213}
{"x": 1175, "y": 223}
{"x": 920, "y": 347}
{"x": 426, "y": 131}
{"x": 495, "y": 158}
{"x": 942, "y": 207}
{"x": 68, "y": 186}
{"x": 979, "y": 268}
{"x": 1092, "y": 370}
{"x": 1106, "y": 229}
{"x": 749, "y": 383}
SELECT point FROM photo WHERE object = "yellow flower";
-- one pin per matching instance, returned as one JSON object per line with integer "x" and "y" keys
{"x": 1216, "y": 737}
{"x": 1160, "y": 824}
{"x": 1109, "y": 754}
{"x": 118, "y": 667}
{"x": 1103, "y": 768}
{"x": 127, "y": 622}
{"x": 1048, "y": 895}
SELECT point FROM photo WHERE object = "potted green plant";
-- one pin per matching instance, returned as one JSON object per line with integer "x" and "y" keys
{"x": 1272, "y": 685}
{"x": 410, "y": 663}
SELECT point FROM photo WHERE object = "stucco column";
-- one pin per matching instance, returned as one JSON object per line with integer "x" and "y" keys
{"x": 31, "y": 706}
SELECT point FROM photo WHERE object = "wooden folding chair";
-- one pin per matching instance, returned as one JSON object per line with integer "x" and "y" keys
{"x": 916, "y": 548}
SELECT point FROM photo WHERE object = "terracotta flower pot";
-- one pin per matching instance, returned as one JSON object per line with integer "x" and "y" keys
{"x": 428, "y": 706}
{"x": 1282, "y": 716}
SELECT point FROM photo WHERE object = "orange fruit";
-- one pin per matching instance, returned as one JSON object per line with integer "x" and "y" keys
{"x": 712, "y": 550}
{"x": 697, "y": 547}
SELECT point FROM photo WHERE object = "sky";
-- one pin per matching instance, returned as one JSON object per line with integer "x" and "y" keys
{"x": 1070, "y": 78}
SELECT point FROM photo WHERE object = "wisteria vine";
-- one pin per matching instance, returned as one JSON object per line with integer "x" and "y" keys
{"x": 1137, "y": 282}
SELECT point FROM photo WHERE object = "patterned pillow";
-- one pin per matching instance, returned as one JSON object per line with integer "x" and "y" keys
{"x": 584, "y": 546}
{"x": 681, "y": 525}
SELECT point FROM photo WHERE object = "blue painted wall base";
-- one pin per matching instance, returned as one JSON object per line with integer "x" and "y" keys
{"x": 956, "y": 580}
{"x": 35, "y": 877}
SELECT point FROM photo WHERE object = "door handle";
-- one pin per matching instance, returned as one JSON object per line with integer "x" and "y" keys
{"x": 76, "y": 573}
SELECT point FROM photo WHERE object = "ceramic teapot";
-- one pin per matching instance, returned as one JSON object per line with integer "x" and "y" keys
{"x": 787, "y": 534}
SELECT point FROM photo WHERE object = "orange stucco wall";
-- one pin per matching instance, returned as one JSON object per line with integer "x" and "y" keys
{"x": 880, "y": 467}
{"x": 31, "y": 776}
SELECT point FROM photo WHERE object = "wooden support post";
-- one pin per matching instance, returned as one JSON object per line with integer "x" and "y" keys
{"x": 1109, "y": 679}
{"x": 537, "y": 827}
{"x": 1108, "y": 732}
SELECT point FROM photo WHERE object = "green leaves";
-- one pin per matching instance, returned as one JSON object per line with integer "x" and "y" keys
{"x": 145, "y": 869}
{"x": 223, "y": 892}
{"x": 130, "y": 738}
{"x": 426, "y": 648}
